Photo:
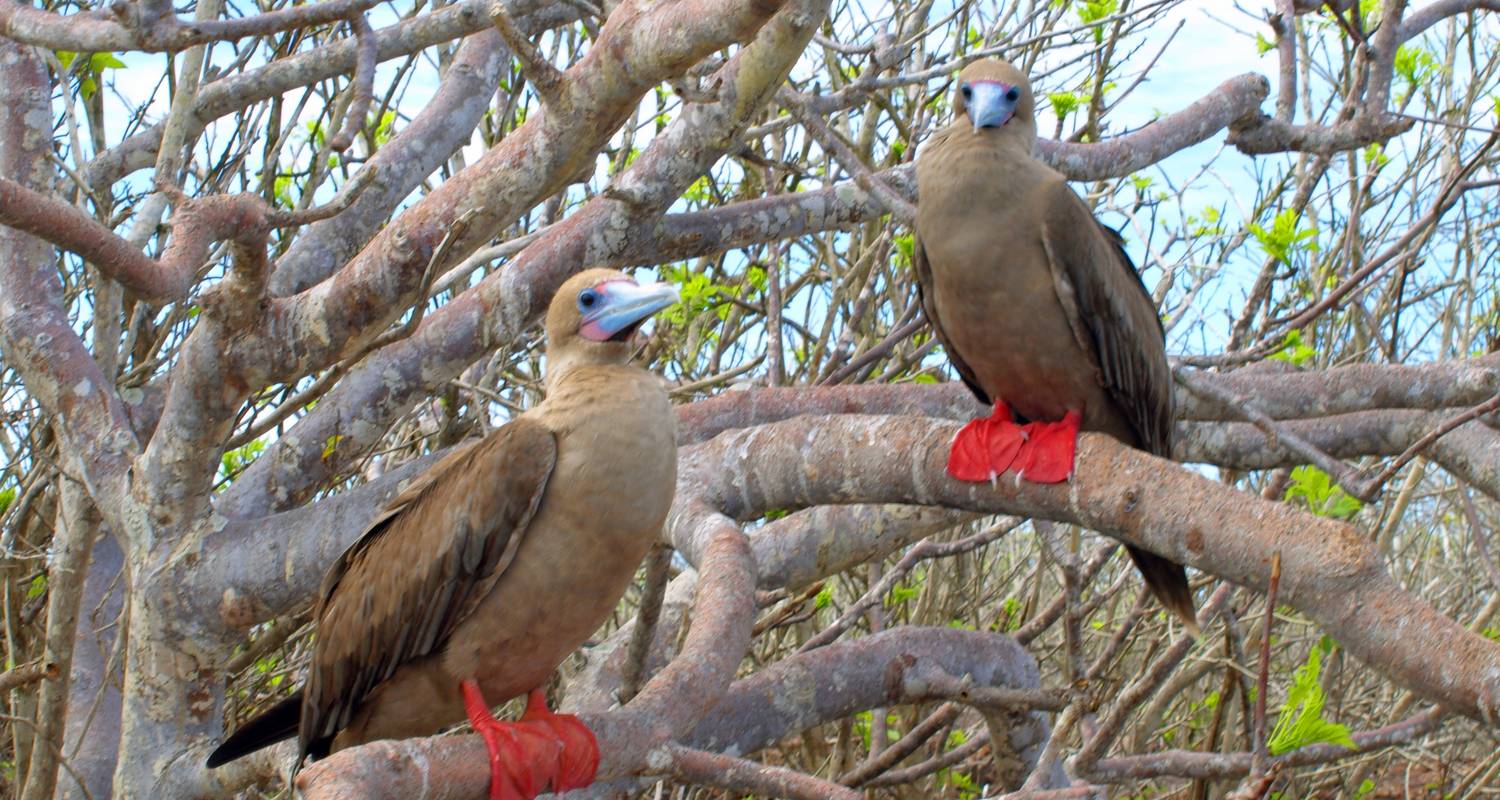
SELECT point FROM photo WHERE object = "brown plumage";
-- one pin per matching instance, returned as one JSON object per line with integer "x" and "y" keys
{"x": 499, "y": 560}
{"x": 1034, "y": 300}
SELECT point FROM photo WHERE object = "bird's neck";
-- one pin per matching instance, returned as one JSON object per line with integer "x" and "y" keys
{"x": 584, "y": 377}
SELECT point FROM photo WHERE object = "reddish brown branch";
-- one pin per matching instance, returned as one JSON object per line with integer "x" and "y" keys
{"x": 27, "y": 674}
{"x": 1259, "y": 764}
{"x": 71, "y": 229}
{"x": 367, "y": 53}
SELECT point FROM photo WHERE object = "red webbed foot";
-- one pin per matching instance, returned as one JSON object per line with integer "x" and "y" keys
{"x": 986, "y": 447}
{"x": 541, "y": 752}
{"x": 580, "y": 754}
{"x": 1048, "y": 453}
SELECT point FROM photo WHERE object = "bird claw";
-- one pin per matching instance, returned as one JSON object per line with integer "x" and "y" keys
{"x": 542, "y": 751}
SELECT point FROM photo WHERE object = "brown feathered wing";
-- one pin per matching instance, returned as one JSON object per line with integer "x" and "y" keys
{"x": 927, "y": 293}
{"x": 426, "y": 561}
{"x": 1113, "y": 316}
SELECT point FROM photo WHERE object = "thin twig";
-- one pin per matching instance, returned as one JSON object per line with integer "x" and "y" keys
{"x": 548, "y": 81}
{"x": 1372, "y": 486}
{"x": 925, "y": 549}
{"x": 367, "y": 52}
{"x": 1261, "y": 761}
{"x": 1278, "y": 434}
{"x": 28, "y": 674}
{"x": 658, "y": 569}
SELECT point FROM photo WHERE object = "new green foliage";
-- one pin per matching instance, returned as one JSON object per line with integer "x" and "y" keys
{"x": 1301, "y": 722}
{"x": 1322, "y": 496}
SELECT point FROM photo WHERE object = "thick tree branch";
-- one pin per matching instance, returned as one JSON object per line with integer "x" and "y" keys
{"x": 39, "y": 341}
{"x": 96, "y": 31}
{"x": 444, "y": 124}
{"x": 1357, "y": 411}
{"x": 902, "y": 665}
{"x": 1331, "y": 573}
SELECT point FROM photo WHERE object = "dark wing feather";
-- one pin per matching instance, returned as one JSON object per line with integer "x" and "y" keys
{"x": 1116, "y": 311}
{"x": 1117, "y": 315}
{"x": 423, "y": 565}
{"x": 928, "y": 295}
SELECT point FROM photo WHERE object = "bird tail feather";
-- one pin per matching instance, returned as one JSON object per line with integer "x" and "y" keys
{"x": 273, "y": 725}
{"x": 1168, "y": 581}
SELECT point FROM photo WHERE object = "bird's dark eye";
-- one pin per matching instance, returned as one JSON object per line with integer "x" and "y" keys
{"x": 587, "y": 299}
{"x": 966, "y": 91}
{"x": 1013, "y": 95}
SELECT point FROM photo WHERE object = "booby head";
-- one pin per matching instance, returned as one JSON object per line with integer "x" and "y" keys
{"x": 995, "y": 96}
{"x": 595, "y": 314}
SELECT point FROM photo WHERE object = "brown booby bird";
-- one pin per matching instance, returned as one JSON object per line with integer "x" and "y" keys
{"x": 1040, "y": 310}
{"x": 475, "y": 582}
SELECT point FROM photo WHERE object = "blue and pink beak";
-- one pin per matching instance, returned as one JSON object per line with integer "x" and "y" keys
{"x": 990, "y": 104}
{"x": 613, "y": 310}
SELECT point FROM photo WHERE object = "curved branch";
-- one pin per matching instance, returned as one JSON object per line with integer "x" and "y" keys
{"x": 96, "y": 32}
{"x": 71, "y": 229}
{"x": 443, "y": 125}
{"x": 902, "y": 665}
{"x": 39, "y": 341}
{"x": 1331, "y": 573}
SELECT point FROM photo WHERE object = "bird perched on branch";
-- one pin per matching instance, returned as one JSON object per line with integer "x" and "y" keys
{"x": 474, "y": 583}
{"x": 1040, "y": 310}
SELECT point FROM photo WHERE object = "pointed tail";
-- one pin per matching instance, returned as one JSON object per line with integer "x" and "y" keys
{"x": 276, "y": 723}
{"x": 1167, "y": 580}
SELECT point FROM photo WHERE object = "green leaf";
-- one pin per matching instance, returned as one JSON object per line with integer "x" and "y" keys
{"x": 1064, "y": 103}
{"x": 1095, "y": 10}
{"x": 700, "y": 192}
{"x": 1323, "y": 498}
{"x": 1293, "y": 351}
{"x": 315, "y": 132}
{"x": 1284, "y": 238}
{"x": 66, "y": 58}
{"x": 99, "y": 62}
{"x": 331, "y": 444}
{"x": 1301, "y": 721}
{"x": 1263, "y": 45}
{"x": 899, "y": 595}
{"x": 38, "y": 585}
{"x": 385, "y": 128}
{"x": 233, "y": 462}
{"x": 1375, "y": 156}
{"x": 7, "y": 496}
{"x": 824, "y": 598}
{"x": 1415, "y": 65}
{"x": 906, "y": 248}
{"x": 282, "y": 191}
